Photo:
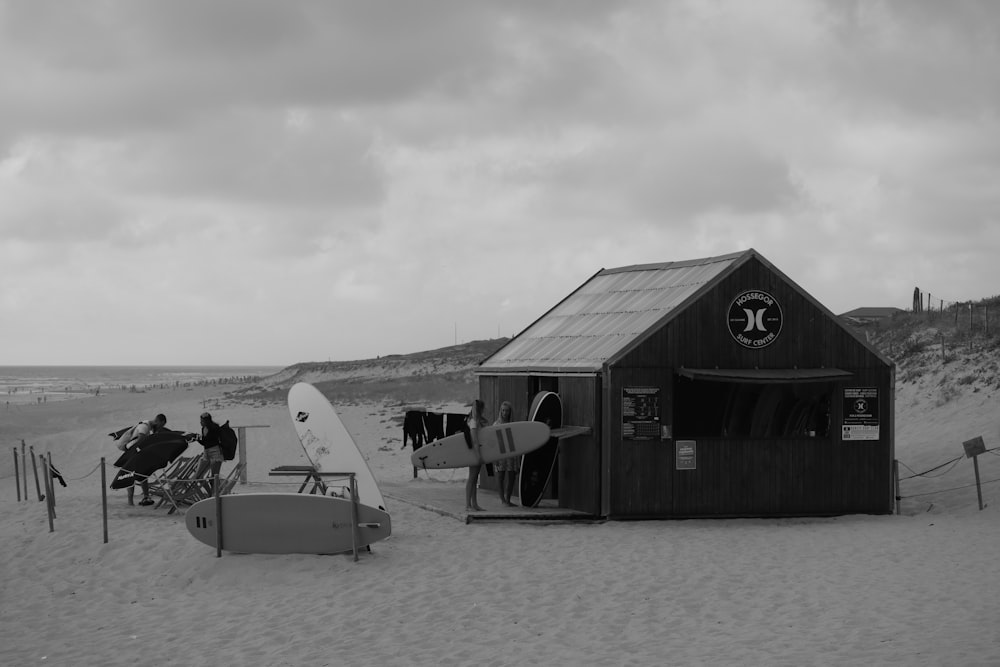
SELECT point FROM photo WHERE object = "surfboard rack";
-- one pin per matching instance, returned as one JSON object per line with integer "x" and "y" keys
{"x": 566, "y": 432}
{"x": 309, "y": 474}
{"x": 318, "y": 479}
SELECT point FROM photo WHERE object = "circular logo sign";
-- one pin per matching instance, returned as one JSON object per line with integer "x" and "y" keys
{"x": 754, "y": 319}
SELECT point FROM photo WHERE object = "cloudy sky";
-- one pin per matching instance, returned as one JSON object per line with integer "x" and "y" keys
{"x": 250, "y": 182}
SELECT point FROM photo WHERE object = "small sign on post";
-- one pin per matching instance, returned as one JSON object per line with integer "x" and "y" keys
{"x": 973, "y": 448}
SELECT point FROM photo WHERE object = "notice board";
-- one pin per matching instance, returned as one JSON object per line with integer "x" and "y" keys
{"x": 861, "y": 418}
{"x": 640, "y": 413}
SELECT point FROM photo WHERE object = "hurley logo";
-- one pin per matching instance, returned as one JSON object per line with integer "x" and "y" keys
{"x": 754, "y": 319}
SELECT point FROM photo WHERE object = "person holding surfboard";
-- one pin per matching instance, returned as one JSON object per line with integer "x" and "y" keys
{"x": 132, "y": 438}
{"x": 508, "y": 468}
{"x": 473, "y": 422}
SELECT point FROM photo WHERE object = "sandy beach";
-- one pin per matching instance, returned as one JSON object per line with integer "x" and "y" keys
{"x": 916, "y": 589}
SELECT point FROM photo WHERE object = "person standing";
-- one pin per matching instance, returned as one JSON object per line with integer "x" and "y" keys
{"x": 139, "y": 433}
{"x": 210, "y": 440}
{"x": 507, "y": 469}
{"x": 473, "y": 422}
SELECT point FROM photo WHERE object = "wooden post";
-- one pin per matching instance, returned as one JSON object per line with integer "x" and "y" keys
{"x": 218, "y": 515}
{"x": 895, "y": 474}
{"x": 241, "y": 439}
{"x": 34, "y": 468}
{"x": 971, "y": 311}
{"x": 979, "y": 489}
{"x": 48, "y": 476}
{"x": 49, "y": 506}
{"x": 942, "y": 348}
{"x": 17, "y": 476}
{"x": 241, "y": 432}
{"x": 355, "y": 529}
{"x": 104, "y": 497}
{"x": 24, "y": 465}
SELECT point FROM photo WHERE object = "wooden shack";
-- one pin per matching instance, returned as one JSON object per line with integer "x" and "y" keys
{"x": 705, "y": 388}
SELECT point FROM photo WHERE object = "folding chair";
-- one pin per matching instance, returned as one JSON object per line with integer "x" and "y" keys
{"x": 189, "y": 487}
{"x": 199, "y": 486}
{"x": 165, "y": 477}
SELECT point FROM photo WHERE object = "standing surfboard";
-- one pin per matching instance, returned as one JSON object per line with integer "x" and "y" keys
{"x": 538, "y": 467}
{"x": 326, "y": 442}
{"x": 286, "y": 523}
{"x": 500, "y": 441}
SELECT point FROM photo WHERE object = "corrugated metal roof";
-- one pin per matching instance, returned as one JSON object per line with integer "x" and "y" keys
{"x": 606, "y": 315}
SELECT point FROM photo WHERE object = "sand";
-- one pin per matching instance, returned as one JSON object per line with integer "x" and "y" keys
{"x": 916, "y": 589}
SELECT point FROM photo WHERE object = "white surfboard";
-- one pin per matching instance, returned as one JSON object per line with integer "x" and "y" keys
{"x": 327, "y": 443}
{"x": 286, "y": 523}
{"x": 499, "y": 441}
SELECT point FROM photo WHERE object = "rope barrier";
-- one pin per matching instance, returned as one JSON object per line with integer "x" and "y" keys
{"x": 954, "y": 488}
{"x": 938, "y": 467}
{"x": 77, "y": 479}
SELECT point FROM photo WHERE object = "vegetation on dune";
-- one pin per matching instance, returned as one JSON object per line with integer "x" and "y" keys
{"x": 956, "y": 350}
{"x": 432, "y": 376}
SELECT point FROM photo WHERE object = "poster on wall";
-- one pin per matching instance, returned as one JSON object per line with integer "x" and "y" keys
{"x": 640, "y": 413}
{"x": 861, "y": 420}
{"x": 686, "y": 455}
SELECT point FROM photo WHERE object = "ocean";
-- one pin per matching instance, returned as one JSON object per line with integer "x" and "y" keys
{"x": 24, "y": 384}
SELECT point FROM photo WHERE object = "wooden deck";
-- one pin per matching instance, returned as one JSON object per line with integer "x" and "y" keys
{"x": 448, "y": 499}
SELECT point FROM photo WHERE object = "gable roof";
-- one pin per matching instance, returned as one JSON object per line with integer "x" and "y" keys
{"x": 609, "y": 314}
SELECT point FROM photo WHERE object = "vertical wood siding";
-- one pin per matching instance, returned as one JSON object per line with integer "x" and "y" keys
{"x": 580, "y": 456}
{"x": 752, "y": 477}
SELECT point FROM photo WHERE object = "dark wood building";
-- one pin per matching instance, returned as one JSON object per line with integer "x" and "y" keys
{"x": 709, "y": 387}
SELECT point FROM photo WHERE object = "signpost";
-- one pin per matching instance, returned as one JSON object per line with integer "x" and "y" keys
{"x": 973, "y": 448}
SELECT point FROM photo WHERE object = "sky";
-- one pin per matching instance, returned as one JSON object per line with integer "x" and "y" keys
{"x": 249, "y": 182}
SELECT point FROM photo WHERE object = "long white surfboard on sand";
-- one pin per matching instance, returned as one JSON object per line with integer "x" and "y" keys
{"x": 286, "y": 523}
{"x": 327, "y": 443}
{"x": 496, "y": 442}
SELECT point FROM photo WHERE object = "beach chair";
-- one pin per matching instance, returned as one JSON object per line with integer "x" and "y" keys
{"x": 187, "y": 487}
{"x": 230, "y": 480}
{"x": 199, "y": 486}
{"x": 165, "y": 477}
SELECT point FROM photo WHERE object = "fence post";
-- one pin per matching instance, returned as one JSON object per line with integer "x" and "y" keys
{"x": 979, "y": 488}
{"x": 48, "y": 476}
{"x": 104, "y": 497}
{"x": 34, "y": 469}
{"x": 17, "y": 476}
{"x": 355, "y": 529}
{"x": 49, "y": 501}
{"x": 218, "y": 515}
{"x": 241, "y": 437}
{"x": 895, "y": 474}
{"x": 24, "y": 465}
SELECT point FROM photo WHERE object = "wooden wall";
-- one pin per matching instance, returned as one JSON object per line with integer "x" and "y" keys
{"x": 750, "y": 477}
{"x": 580, "y": 456}
{"x": 494, "y": 390}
